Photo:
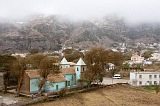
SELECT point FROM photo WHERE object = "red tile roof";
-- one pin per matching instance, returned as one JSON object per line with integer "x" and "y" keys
{"x": 70, "y": 70}
{"x": 56, "y": 78}
{"x": 33, "y": 73}
{"x": 51, "y": 77}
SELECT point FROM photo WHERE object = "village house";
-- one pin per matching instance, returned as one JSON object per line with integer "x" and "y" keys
{"x": 144, "y": 78}
{"x": 110, "y": 66}
{"x": 20, "y": 54}
{"x": 136, "y": 59}
{"x": 147, "y": 62}
{"x": 155, "y": 57}
{"x": 69, "y": 75}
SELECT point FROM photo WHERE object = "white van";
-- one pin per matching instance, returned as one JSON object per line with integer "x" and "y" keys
{"x": 116, "y": 76}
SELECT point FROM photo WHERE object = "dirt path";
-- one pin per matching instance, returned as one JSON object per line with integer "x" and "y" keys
{"x": 8, "y": 98}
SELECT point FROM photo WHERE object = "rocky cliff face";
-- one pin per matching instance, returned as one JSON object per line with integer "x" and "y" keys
{"x": 53, "y": 32}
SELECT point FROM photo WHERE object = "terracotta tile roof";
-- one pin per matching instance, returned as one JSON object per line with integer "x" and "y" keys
{"x": 135, "y": 55}
{"x": 56, "y": 64}
{"x": 56, "y": 78}
{"x": 70, "y": 70}
{"x": 71, "y": 63}
{"x": 33, "y": 73}
{"x": 52, "y": 78}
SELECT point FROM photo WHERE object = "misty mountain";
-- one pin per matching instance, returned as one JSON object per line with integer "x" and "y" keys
{"x": 54, "y": 32}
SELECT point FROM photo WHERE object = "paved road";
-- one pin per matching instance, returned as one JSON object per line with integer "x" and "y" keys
{"x": 114, "y": 81}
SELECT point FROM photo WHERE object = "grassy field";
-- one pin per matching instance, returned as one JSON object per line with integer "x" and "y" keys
{"x": 119, "y": 95}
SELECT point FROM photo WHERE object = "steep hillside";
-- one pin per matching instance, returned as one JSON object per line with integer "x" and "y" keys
{"x": 53, "y": 32}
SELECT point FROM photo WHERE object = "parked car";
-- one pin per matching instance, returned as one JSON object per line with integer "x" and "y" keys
{"x": 116, "y": 76}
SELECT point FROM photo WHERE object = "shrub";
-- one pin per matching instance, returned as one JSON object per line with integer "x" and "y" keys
{"x": 157, "y": 88}
{"x": 62, "y": 92}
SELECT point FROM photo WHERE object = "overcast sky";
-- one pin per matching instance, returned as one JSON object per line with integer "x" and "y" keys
{"x": 132, "y": 10}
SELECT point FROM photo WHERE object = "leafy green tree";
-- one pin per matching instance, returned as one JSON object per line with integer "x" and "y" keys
{"x": 125, "y": 66}
{"x": 147, "y": 54}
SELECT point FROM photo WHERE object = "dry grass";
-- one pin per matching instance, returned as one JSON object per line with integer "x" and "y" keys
{"x": 153, "y": 67}
{"x": 121, "y": 95}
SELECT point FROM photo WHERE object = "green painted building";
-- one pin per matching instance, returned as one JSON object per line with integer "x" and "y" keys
{"x": 69, "y": 74}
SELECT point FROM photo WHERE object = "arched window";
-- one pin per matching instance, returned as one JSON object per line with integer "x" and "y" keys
{"x": 83, "y": 69}
{"x": 77, "y": 69}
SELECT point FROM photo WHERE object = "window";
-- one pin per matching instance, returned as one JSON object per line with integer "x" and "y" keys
{"x": 56, "y": 87}
{"x": 77, "y": 69}
{"x": 150, "y": 82}
{"x": 72, "y": 77}
{"x": 140, "y": 82}
{"x": 140, "y": 76}
{"x": 147, "y": 83}
{"x": 83, "y": 68}
{"x": 68, "y": 83}
{"x": 155, "y": 76}
{"x": 150, "y": 76}
{"x": 155, "y": 82}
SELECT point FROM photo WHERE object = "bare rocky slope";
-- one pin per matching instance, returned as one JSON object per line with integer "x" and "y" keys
{"x": 53, "y": 32}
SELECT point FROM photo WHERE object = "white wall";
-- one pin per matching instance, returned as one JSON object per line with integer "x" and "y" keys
{"x": 142, "y": 78}
{"x": 132, "y": 75}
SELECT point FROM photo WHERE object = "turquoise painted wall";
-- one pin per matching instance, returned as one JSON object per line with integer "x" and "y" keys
{"x": 78, "y": 72}
{"x": 34, "y": 85}
{"x": 51, "y": 87}
{"x": 71, "y": 78}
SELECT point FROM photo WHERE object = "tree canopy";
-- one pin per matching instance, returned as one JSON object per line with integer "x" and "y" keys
{"x": 96, "y": 59}
{"x": 72, "y": 55}
{"x": 6, "y": 62}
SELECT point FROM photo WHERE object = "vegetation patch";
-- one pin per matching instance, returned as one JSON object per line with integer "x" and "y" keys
{"x": 150, "y": 88}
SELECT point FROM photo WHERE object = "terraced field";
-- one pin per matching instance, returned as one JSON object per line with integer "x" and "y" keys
{"x": 118, "y": 95}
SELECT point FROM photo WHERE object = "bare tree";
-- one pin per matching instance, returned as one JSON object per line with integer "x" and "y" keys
{"x": 95, "y": 59}
{"x": 46, "y": 67}
{"x": 72, "y": 55}
{"x": 18, "y": 68}
{"x": 36, "y": 59}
